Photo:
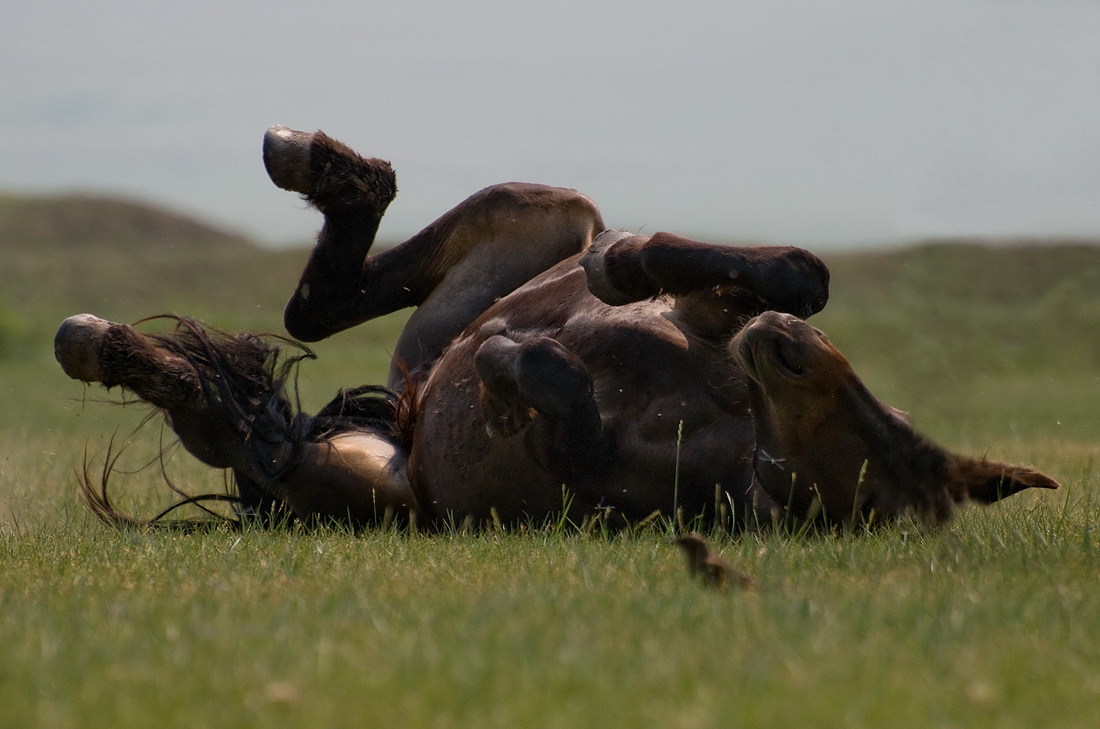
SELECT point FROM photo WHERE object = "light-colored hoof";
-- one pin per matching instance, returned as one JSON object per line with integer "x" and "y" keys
{"x": 76, "y": 346}
{"x": 594, "y": 263}
{"x": 286, "y": 158}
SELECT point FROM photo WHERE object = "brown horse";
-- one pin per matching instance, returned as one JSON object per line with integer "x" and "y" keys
{"x": 550, "y": 366}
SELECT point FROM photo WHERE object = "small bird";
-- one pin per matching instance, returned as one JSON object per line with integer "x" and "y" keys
{"x": 713, "y": 570}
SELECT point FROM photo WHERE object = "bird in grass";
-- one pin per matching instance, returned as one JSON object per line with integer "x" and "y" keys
{"x": 712, "y": 569}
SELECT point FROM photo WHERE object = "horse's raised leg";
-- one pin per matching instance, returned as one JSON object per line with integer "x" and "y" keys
{"x": 718, "y": 287}
{"x": 353, "y": 193}
{"x": 538, "y": 381}
{"x": 95, "y": 350}
{"x": 453, "y": 270}
{"x": 224, "y": 396}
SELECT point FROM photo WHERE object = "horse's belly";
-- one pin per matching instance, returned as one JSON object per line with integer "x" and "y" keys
{"x": 667, "y": 457}
{"x": 459, "y": 471}
{"x": 674, "y": 403}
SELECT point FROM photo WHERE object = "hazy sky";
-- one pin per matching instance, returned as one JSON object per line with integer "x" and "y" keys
{"x": 814, "y": 122}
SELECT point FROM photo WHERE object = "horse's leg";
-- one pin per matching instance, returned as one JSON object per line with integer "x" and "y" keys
{"x": 717, "y": 286}
{"x": 95, "y": 350}
{"x": 453, "y": 270}
{"x": 352, "y": 192}
{"x": 226, "y": 402}
{"x": 540, "y": 384}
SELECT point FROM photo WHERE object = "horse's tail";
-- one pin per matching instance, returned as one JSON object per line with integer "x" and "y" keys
{"x": 94, "y": 494}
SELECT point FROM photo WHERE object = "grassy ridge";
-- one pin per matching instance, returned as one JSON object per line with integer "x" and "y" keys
{"x": 975, "y": 340}
{"x": 985, "y": 623}
{"x": 77, "y": 252}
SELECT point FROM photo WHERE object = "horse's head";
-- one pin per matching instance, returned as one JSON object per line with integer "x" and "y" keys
{"x": 826, "y": 446}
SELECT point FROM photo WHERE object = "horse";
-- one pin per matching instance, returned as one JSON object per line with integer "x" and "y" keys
{"x": 552, "y": 369}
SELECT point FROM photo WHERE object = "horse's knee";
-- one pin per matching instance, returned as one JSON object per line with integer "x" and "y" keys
{"x": 302, "y": 322}
{"x": 542, "y": 384}
{"x": 522, "y": 379}
{"x": 551, "y": 378}
{"x": 504, "y": 412}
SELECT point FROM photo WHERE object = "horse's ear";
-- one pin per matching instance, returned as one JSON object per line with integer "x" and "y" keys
{"x": 988, "y": 481}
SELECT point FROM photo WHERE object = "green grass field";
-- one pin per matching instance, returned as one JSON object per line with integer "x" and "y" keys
{"x": 986, "y": 623}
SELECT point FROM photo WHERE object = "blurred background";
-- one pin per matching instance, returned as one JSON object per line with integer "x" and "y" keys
{"x": 848, "y": 123}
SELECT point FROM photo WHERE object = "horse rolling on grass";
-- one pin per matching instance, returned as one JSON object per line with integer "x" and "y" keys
{"x": 636, "y": 374}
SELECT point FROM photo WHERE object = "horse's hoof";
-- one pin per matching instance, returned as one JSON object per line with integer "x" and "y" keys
{"x": 76, "y": 346}
{"x": 287, "y": 158}
{"x": 594, "y": 264}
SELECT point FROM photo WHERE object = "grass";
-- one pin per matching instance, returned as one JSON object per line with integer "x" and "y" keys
{"x": 984, "y": 623}
{"x": 261, "y": 628}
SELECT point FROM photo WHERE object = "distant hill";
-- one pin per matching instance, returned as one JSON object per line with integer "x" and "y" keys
{"x": 967, "y": 271}
{"x": 122, "y": 259}
{"x": 73, "y": 222}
